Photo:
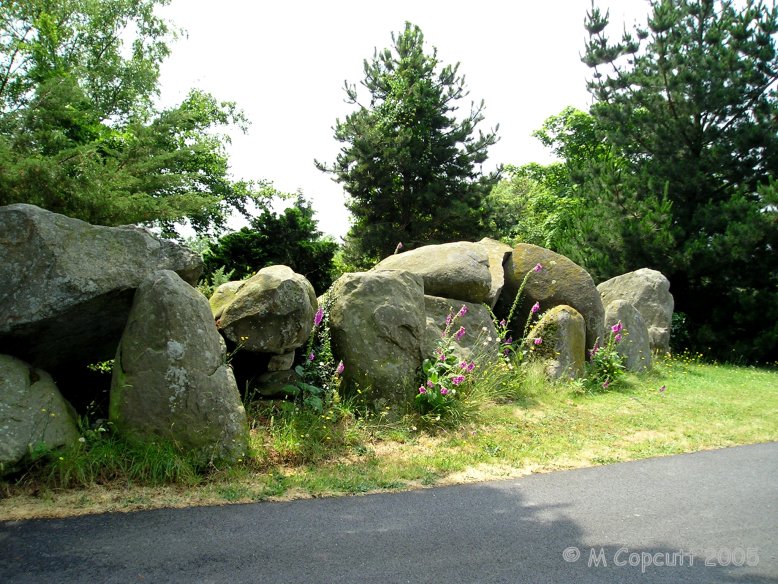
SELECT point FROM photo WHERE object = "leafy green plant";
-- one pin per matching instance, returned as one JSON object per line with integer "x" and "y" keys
{"x": 208, "y": 285}
{"x": 516, "y": 350}
{"x": 606, "y": 365}
{"x": 438, "y": 399}
{"x": 319, "y": 376}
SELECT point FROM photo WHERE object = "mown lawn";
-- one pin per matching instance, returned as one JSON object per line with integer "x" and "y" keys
{"x": 544, "y": 428}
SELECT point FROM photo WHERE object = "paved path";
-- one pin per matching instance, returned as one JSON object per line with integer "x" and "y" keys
{"x": 707, "y": 517}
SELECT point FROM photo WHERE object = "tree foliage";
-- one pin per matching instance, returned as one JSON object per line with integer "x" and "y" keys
{"x": 409, "y": 164}
{"x": 290, "y": 238}
{"x": 79, "y": 133}
{"x": 689, "y": 105}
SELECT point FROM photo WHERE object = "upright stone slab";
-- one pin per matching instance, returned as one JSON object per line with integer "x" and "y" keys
{"x": 562, "y": 338}
{"x": 480, "y": 339}
{"x": 634, "y": 346}
{"x": 67, "y": 286}
{"x": 170, "y": 375}
{"x": 377, "y": 323}
{"x": 559, "y": 281}
{"x": 649, "y": 292}
{"x": 33, "y": 414}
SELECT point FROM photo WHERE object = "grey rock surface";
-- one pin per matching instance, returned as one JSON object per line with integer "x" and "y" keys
{"x": 272, "y": 312}
{"x": 635, "y": 347}
{"x": 68, "y": 285}
{"x": 377, "y": 323}
{"x": 562, "y": 333}
{"x": 450, "y": 270}
{"x": 648, "y": 291}
{"x": 170, "y": 376}
{"x": 33, "y": 414}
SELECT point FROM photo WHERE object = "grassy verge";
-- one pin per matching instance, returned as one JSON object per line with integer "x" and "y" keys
{"x": 541, "y": 428}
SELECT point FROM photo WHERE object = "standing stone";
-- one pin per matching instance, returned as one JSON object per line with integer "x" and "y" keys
{"x": 634, "y": 346}
{"x": 377, "y": 323}
{"x": 33, "y": 414}
{"x": 649, "y": 292}
{"x": 67, "y": 286}
{"x": 561, "y": 331}
{"x": 272, "y": 312}
{"x": 170, "y": 376}
{"x": 480, "y": 341}
{"x": 560, "y": 281}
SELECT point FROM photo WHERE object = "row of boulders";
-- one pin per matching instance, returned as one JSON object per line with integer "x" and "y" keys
{"x": 77, "y": 293}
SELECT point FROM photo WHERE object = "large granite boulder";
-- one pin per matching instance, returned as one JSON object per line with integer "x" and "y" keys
{"x": 223, "y": 296}
{"x": 649, "y": 292}
{"x": 461, "y": 270}
{"x": 377, "y": 325}
{"x": 170, "y": 376}
{"x": 33, "y": 414}
{"x": 479, "y": 342}
{"x": 272, "y": 312}
{"x": 634, "y": 346}
{"x": 68, "y": 286}
{"x": 559, "y": 340}
{"x": 558, "y": 281}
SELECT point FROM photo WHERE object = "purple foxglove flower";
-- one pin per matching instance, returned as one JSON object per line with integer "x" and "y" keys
{"x": 460, "y": 333}
{"x": 449, "y": 318}
{"x": 443, "y": 391}
{"x": 312, "y": 356}
{"x": 457, "y": 379}
{"x": 617, "y": 338}
{"x": 537, "y": 268}
{"x": 462, "y": 311}
{"x": 535, "y": 307}
{"x": 430, "y": 384}
{"x": 606, "y": 384}
{"x": 318, "y": 317}
{"x": 503, "y": 324}
{"x": 616, "y": 328}
{"x": 340, "y": 368}
{"x": 422, "y": 389}
{"x": 538, "y": 341}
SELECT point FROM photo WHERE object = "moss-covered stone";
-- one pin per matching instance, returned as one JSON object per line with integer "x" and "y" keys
{"x": 563, "y": 342}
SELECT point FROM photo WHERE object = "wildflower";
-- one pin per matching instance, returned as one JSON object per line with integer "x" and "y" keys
{"x": 340, "y": 368}
{"x": 503, "y": 324}
{"x": 462, "y": 311}
{"x": 616, "y": 328}
{"x": 537, "y": 268}
{"x": 457, "y": 379}
{"x": 606, "y": 384}
{"x": 443, "y": 391}
{"x": 470, "y": 366}
{"x": 312, "y": 356}
{"x": 441, "y": 356}
{"x": 460, "y": 333}
{"x": 538, "y": 341}
{"x": 422, "y": 389}
{"x": 398, "y": 248}
{"x": 617, "y": 338}
{"x": 535, "y": 307}
{"x": 318, "y": 316}
{"x": 82, "y": 439}
{"x": 662, "y": 389}
{"x": 463, "y": 365}
{"x": 430, "y": 384}
{"x": 508, "y": 341}
{"x": 449, "y": 318}
{"x": 593, "y": 350}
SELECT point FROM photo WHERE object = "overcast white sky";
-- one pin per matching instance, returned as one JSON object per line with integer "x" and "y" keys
{"x": 284, "y": 63}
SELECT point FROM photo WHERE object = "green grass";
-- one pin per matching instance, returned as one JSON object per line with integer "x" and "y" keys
{"x": 521, "y": 424}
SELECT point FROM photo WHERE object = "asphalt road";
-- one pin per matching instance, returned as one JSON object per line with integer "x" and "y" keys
{"x": 706, "y": 517}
